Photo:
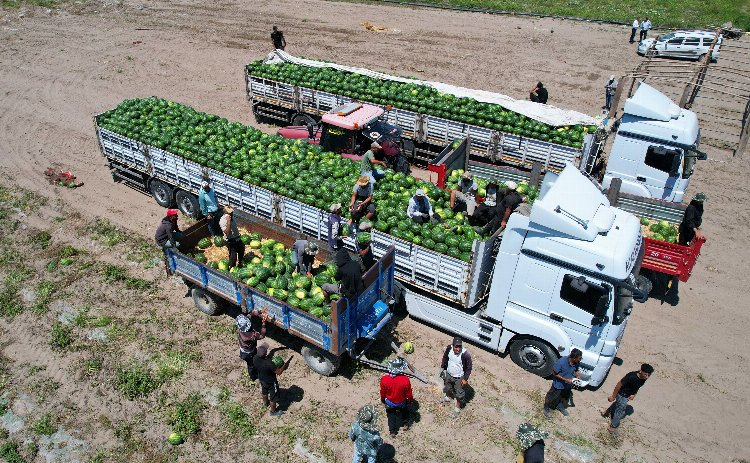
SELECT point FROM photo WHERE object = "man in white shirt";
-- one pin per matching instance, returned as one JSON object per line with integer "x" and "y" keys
{"x": 645, "y": 27}
{"x": 636, "y": 24}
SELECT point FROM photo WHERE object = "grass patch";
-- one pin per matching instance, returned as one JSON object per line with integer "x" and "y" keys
{"x": 84, "y": 320}
{"x": 44, "y": 426}
{"x": 60, "y": 337}
{"x": 144, "y": 252}
{"x": 44, "y": 292}
{"x": 139, "y": 284}
{"x": 135, "y": 380}
{"x": 9, "y": 453}
{"x": 106, "y": 232}
{"x": 98, "y": 457}
{"x": 21, "y": 199}
{"x": 186, "y": 418}
{"x": 41, "y": 239}
{"x": 68, "y": 251}
{"x": 235, "y": 417}
{"x": 672, "y": 13}
{"x": 19, "y": 3}
{"x": 43, "y": 388}
{"x": 10, "y": 300}
{"x": 173, "y": 364}
{"x": 112, "y": 273}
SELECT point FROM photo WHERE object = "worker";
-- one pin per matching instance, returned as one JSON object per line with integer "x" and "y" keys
{"x": 277, "y": 37}
{"x": 456, "y": 366}
{"x": 531, "y": 441}
{"x": 420, "y": 209}
{"x": 507, "y": 206}
{"x": 609, "y": 92}
{"x": 361, "y": 204}
{"x": 250, "y": 330}
{"x": 366, "y": 436}
{"x": 210, "y": 208}
{"x": 538, "y": 94}
{"x": 368, "y": 159}
{"x": 490, "y": 207}
{"x": 366, "y": 257}
{"x": 349, "y": 273}
{"x": 232, "y": 237}
{"x": 395, "y": 394}
{"x": 464, "y": 197}
{"x": 303, "y": 256}
{"x": 334, "y": 225}
{"x": 168, "y": 232}
{"x": 268, "y": 374}
{"x": 689, "y": 230}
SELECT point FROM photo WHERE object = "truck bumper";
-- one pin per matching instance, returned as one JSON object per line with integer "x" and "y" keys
{"x": 600, "y": 370}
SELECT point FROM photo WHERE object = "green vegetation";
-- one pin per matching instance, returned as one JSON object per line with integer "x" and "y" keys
{"x": 41, "y": 239}
{"x": 688, "y": 13}
{"x": 174, "y": 363}
{"x": 68, "y": 251}
{"x": 10, "y": 300}
{"x": 135, "y": 380}
{"x": 20, "y": 3}
{"x": 61, "y": 336}
{"x": 44, "y": 292}
{"x": 107, "y": 233}
{"x": 186, "y": 418}
{"x": 9, "y": 453}
{"x": 236, "y": 419}
{"x": 44, "y": 425}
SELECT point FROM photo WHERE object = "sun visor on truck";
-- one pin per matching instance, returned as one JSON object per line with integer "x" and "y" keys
{"x": 650, "y": 103}
{"x": 572, "y": 206}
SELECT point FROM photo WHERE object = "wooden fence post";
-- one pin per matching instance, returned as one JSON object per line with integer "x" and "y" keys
{"x": 614, "y": 191}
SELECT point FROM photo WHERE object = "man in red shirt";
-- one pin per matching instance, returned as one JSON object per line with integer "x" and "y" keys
{"x": 395, "y": 393}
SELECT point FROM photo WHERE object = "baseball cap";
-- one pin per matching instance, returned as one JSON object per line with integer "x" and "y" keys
{"x": 457, "y": 341}
{"x": 171, "y": 212}
{"x": 700, "y": 197}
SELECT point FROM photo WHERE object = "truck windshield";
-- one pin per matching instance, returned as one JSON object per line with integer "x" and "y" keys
{"x": 336, "y": 139}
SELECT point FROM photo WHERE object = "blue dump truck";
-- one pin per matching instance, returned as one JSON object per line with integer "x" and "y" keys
{"x": 326, "y": 338}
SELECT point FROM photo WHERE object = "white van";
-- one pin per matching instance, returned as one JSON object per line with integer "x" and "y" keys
{"x": 682, "y": 44}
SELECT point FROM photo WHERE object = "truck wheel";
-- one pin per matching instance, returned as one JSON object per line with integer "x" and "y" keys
{"x": 161, "y": 192}
{"x": 302, "y": 119}
{"x": 205, "y": 302}
{"x": 188, "y": 204}
{"x": 319, "y": 361}
{"x": 534, "y": 356}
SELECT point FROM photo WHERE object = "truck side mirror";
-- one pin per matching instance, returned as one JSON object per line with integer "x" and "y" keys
{"x": 600, "y": 313}
{"x": 676, "y": 163}
{"x": 702, "y": 156}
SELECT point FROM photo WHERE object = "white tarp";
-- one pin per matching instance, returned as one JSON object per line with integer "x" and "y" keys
{"x": 541, "y": 112}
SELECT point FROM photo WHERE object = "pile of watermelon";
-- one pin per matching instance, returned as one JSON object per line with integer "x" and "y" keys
{"x": 418, "y": 98}
{"x": 529, "y": 193}
{"x": 659, "y": 230}
{"x": 267, "y": 267}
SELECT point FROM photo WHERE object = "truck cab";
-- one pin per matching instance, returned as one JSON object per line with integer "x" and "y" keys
{"x": 656, "y": 147}
{"x": 349, "y": 130}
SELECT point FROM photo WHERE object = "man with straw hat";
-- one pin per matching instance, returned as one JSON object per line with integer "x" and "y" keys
{"x": 365, "y": 435}
{"x": 531, "y": 440}
{"x": 361, "y": 204}
{"x": 232, "y": 237}
{"x": 396, "y": 393}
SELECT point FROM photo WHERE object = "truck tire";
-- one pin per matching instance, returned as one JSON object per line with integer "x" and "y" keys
{"x": 205, "y": 302}
{"x": 302, "y": 119}
{"x": 162, "y": 193}
{"x": 319, "y": 361}
{"x": 188, "y": 204}
{"x": 534, "y": 356}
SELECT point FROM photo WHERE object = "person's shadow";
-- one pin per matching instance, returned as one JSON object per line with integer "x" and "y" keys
{"x": 386, "y": 454}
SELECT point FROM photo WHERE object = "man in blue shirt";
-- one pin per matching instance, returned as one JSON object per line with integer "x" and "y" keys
{"x": 210, "y": 208}
{"x": 562, "y": 383}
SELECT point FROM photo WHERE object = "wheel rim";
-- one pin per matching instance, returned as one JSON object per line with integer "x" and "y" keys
{"x": 320, "y": 361}
{"x": 161, "y": 193}
{"x": 186, "y": 205}
{"x": 532, "y": 356}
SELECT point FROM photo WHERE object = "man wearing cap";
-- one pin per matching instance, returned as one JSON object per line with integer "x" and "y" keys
{"x": 303, "y": 256}
{"x": 395, "y": 394}
{"x": 563, "y": 373}
{"x": 609, "y": 92}
{"x": 349, "y": 273}
{"x": 210, "y": 208}
{"x": 456, "y": 368}
{"x": 689, "y": 230}
{"x": 367, "y": 164}
{"x": 250, "y": 330}
{"x": 168, "y": 232}
{"x": 232, "y": 237}
{"x": 361, "y": 204}
{"x": 364, "y": 250}
{"x": 365, "y": 435}
{"x": 531, "y": 440}
{"x": 267, "y": 374}
{"x": 335, "y": 224}
{"x": 465, "y": 196}
{"x": 420, "y": 209}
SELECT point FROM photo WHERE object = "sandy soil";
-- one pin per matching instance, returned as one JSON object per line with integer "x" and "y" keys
{"x": 59, "y": 68}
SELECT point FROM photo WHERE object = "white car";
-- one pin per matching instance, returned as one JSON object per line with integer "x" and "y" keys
{"x": 682, "y": 44}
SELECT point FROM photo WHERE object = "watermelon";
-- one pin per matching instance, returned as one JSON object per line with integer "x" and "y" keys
{"x": 255, "y": 237}
{"x": 407, "y": 347}
{"x": 66, "y": 261}
{"x": 292, "y": 300}
{"x": 318, "y": 299}
{"x": 204, "y": 243}
{"x": 245, "y": 238}
{"x": 218, "y": 241}
{"x": 254, "y": 244}
{"x": 277, "y": 361}
{"x": 175, "y": 439}
{"x": 281, "y": 294}
{"x": 300, "y": 294}
{"x": 200, "y": 257}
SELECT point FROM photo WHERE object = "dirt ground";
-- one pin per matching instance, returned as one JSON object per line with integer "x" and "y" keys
{"x": 58, "y": 68}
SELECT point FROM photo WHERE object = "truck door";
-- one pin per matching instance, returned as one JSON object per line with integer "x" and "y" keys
{"x": 660, "y": 170}
{"x": 575, "y": 305}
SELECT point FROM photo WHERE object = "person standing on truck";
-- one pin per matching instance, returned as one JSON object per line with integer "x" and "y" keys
{"x": 489, "y": 207}
{"x": 634, "y": 30}
{"x": 464, "y": 197}
{"x": 368, "y": 161}
{"x": 531, "y": 440}
{"x": 509, "y": 204}
{"x": 361, "y": 203}
{"x": 645, "y": 27}
{"x": 303, "y": 256}
{"x": 689, "y": 230}
{"x": 250, "y": 330}
{"x": 268, "y": 375}
{"x": 539, "y": 94}
{"x": 232, "y": 237}
{"x": 277, "y": 37}
{"x": 366, "y": 435}
{"x": 456, "y": 368}
{"x": 609, "y": 92}
{"x": 625, "y": 391}
{"x": 364, "y": 250}
{"x": 420, "y": 209}
{"x": 395, "y": 394}
{"x": 168, "y": 232}
{"x": 210, "y": 208}
{"x": 349, "y": 273}
{"x": 563, "y": 373}
{"x": 335, "y": 225}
